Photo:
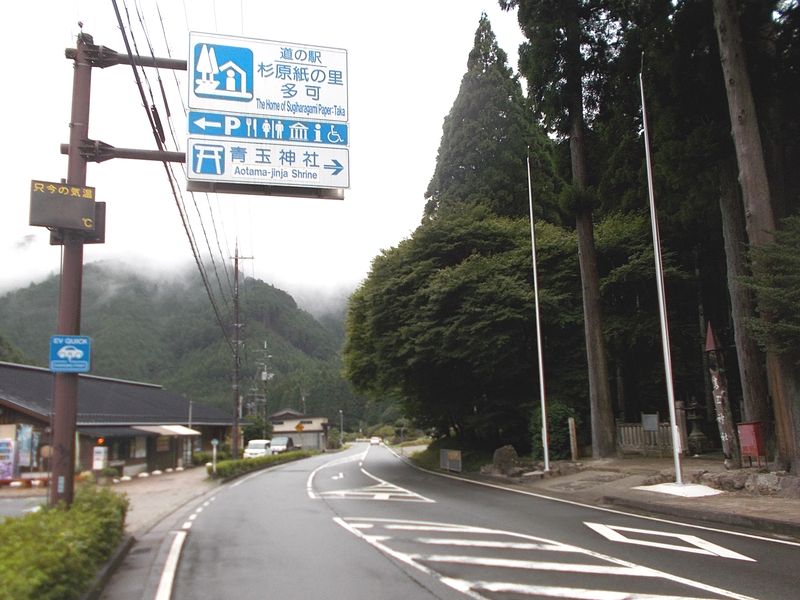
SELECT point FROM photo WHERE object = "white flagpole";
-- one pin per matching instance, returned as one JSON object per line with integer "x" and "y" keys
{"x": 662, "y": 304}
{"x": 545, "y": 442}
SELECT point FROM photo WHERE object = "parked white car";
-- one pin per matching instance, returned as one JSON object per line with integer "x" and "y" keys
{"x": 282, "y": 444}
{"x": 257, "y": 448}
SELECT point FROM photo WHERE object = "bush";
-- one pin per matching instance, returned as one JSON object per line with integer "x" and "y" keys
{"x": 202, "y": 457}
{"x": 55, "y": 553}
{"x": 558, "y": 414}
{"x": 232, "y": 468}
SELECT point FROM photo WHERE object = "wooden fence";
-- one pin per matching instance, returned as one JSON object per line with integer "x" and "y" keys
{"x": 632, "y": 438}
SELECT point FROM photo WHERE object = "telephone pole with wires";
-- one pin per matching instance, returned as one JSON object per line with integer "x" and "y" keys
{"x": 237, "y": 343}
{"x": 82, "y": 150}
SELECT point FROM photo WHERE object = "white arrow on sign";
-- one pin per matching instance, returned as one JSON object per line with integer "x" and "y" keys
{"x": 204, "y": 123}
{"x": 698, "y": 545}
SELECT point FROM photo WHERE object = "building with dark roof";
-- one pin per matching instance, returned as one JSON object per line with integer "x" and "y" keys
{"x": 142, "y": 425}
{"x": 310, "y": 433}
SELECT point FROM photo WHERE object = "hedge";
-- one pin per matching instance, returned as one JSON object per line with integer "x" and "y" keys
{"x": 232, "y": 468}
{"x": 54, "y": 554}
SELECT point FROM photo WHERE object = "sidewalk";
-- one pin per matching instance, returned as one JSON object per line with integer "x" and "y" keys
{"x": 616, "y": 482}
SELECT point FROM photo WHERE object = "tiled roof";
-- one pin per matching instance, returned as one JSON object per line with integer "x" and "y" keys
{"x": 104, "y": 401}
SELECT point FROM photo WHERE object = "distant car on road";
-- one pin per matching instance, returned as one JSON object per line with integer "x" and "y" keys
{"x": 374, "y": 440}
{"x": 257, "y": 448}
{"x": 282, "y": 444}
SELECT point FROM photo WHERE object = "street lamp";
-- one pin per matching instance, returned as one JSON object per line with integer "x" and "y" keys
{"x": 341, "y": 428}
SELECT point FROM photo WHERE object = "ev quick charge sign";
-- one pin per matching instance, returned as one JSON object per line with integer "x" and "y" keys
{"x": 70, "y": 353}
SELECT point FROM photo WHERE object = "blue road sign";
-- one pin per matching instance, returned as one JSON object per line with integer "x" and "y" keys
{"x": 270, "y": 129}
{"x": 223, "y": 72}
{"x": 70, "y": 353}
{"x": 264, "y": 77}
{"x": 267, "y": 163}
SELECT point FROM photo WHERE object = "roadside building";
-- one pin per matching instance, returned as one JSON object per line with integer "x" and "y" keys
{"x": 310, "y": 433}
{"x": 130, "y": 426}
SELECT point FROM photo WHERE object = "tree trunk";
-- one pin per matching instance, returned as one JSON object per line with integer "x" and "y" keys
{"x": 759, "y": 217}
{"x": 755, "y": 396}
{"x": 600, "y": 401}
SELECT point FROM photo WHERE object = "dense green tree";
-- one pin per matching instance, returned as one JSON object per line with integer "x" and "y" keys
{"x": 759, "y": 209}
{"x": 9, "y": 353}
{"x": 445, "y": 324}
{"x": 563, "y": 59}
{"x": 485, "y": 140}
{"x": 777, "y": 283}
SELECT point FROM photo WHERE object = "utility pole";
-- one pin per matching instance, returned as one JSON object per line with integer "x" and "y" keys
{"x": 65, "y": 385}
{"x": 80, "y": 151}
{"x": 236, "y": 354}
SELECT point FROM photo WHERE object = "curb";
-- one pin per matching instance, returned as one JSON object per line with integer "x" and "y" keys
{"x": 763, "y": 524}
{"x": 777, "y": 527}
{"x": 107, "y": 570}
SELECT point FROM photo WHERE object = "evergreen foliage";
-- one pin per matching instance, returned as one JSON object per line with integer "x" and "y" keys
{"x": 9, "y": 353}
{"x": 485, "y": 140}
{"x": 776, "y": 280}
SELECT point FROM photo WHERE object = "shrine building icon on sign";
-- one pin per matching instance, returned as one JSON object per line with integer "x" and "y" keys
{"x": 208, "y": 159}
{"x": 223, "y": 72}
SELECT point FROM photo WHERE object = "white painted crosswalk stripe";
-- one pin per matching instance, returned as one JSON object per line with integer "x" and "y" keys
{"x": 524, "y": 564}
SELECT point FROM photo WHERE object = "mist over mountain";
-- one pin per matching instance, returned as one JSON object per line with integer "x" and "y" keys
{"x": 161, "y": 328}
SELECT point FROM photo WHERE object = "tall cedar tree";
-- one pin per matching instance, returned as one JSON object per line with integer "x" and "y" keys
{"x": 443, "y": 322}
{"x": 759, "y": 214}
{"x": 481, "y": 158}
{"x": 562, "y": 60}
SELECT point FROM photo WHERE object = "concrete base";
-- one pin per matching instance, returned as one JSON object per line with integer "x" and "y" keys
{"x": 687, "y": 490}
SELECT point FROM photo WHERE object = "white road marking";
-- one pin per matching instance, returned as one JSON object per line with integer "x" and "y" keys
{"x": 187, "y": 525}
{"x": 337, "y": 461}
{"x": 534, "y": 565}
{"x": 593, "y": 507}
{"x": 698, "y": 545}
{"x": 383, "y": 491}
{"x": 556, "y": 592}
{"x": 490, "y": 544}
{"x": 472, "y": 588}
{"x": 164, "y": 591}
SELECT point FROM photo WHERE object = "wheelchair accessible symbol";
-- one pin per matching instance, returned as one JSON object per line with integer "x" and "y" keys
{"x": 223, "y": 72}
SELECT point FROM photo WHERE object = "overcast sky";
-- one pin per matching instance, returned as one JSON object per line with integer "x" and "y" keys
{"x": 405, "y": 61}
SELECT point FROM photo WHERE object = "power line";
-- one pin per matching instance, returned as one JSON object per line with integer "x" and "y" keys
{"x": 170, "y": 177}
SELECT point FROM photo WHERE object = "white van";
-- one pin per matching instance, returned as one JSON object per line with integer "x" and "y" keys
{"x": 257, "y": 448}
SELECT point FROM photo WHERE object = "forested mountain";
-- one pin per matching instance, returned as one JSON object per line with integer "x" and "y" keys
{"x": 164, "y": 331}
{"x": 445, "y": 321}
{"x": 9, "y": 353}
